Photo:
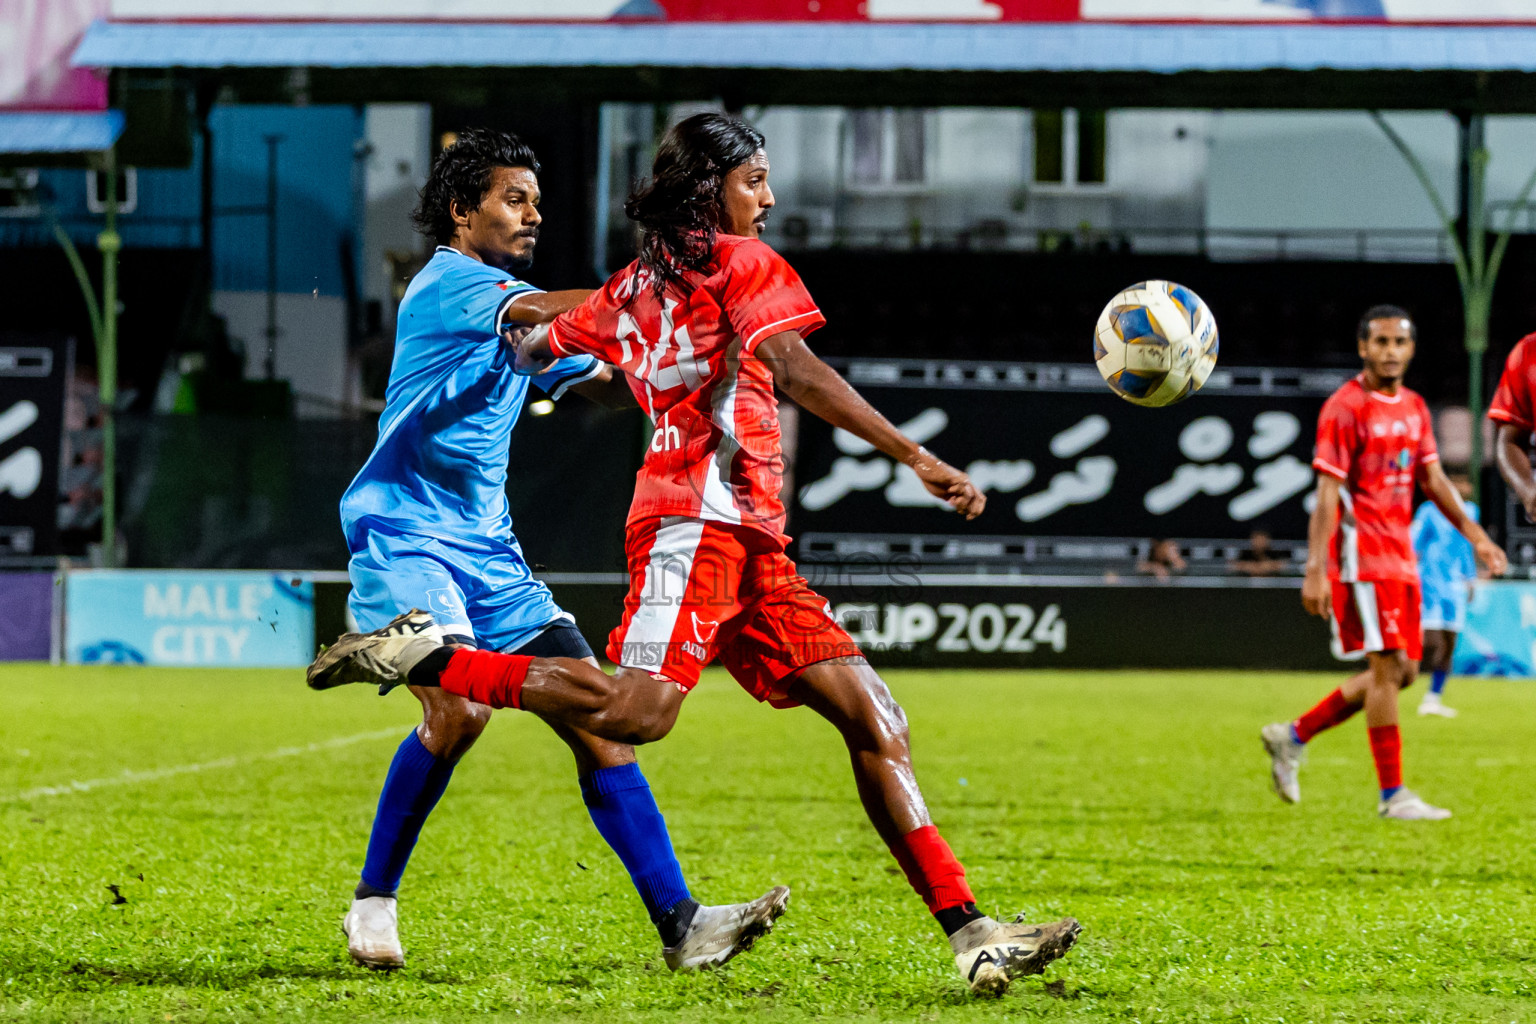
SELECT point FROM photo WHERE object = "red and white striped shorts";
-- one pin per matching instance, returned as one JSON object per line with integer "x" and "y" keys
{"x": 1377, "y": 616}
{"x": 698, "y": 589}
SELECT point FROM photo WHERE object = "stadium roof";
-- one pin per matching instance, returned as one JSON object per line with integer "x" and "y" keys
{"x": 26, "y": 131}
{"x": 847, "y": 46}
{"x": 1370, "y": 64}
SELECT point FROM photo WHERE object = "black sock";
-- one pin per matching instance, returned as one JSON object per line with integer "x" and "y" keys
{"x": 952, "y": 919}
{"x": 429, "y": 670}
{"x": 673, "y": 924}
{"x": 364, "y": 890}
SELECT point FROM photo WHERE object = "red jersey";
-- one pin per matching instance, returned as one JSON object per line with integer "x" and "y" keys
{"x": 690, "y": 361}
{"x": 1377, "y": 444}
{"x": 1512, "y": 402}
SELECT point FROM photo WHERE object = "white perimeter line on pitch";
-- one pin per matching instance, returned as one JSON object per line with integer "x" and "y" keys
{"x": 129, "y": 778}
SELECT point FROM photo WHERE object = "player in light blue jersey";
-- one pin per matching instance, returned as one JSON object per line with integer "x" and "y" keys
{"x": 427, "y": 523}
{"x": 1447, "y": 570}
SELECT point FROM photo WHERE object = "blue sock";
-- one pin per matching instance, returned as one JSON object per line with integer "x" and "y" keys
{"x": 620, "y": 802}
{"x": 1437, "y": 681}
{"x": 1294, "y": 738}
{"x": 415, "y": 783}
{"x": 1386, "y": 794}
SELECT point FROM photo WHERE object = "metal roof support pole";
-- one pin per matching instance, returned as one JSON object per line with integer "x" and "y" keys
{"x": 109, "y": 242}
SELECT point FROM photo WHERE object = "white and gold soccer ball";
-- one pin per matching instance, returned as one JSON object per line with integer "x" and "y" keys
{"x": 1155, "y": 343}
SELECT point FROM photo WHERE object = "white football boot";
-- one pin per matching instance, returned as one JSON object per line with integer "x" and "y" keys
{"x": 1406, "y": 805}
{"x": 718, "y": 933}
{"x": 1285, "y": 760}
{"x": 1433, "y": 705}
{"x": 373, "y": 933}
{"x": 385, "y": 656}
{"x": 990, "y": 954}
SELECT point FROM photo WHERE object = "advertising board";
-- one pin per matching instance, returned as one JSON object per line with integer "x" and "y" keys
{"x": 954, "y": 620}
{"x": 205, "y": 619}
{"x": 1065, "y": 463}
{"x": 26, "y": 616}
{"x": 1500, "y": 635}
{"x": 32, "y": 375}
{"x": 35, "y": 45}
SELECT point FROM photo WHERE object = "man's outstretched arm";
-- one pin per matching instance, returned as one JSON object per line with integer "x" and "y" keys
{"x": 608, "y": 389}
{"x": 1515, "y": 465}
{"x": 542, "y": 307}
{"x": 817, "y": 388}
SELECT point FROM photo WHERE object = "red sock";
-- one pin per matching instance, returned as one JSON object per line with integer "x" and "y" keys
{"x": 1387, "y": 749}
{"x": 1330, "y": 711}
{"x": 932, "y": 869}
{"x": 486, "y": 677}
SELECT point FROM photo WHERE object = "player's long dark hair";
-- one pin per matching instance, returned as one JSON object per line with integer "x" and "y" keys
{"x": 462, "y": 173}
{"x": 679, "y": 208}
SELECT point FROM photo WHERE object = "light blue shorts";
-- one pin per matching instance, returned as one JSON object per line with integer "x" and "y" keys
{"x": 486, "y": 594}
{"x": 1444, "y": 607}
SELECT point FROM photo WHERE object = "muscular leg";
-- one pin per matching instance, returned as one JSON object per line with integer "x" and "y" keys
{"x": 850, "y": 695}
{"x": 417, "y": 777}
{"x": 1335, "y": 709}
{"x": 1391, "y": 672}
{"x": 1438, "y": 644}
{"x": 625, "y": 814}
{"x": 631, "y": 707}
{"x": 1439, "y": 649}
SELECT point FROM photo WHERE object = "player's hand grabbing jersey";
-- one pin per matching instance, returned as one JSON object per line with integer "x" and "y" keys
{"x": 690, "y": 360}
{"x": 1377, "y": 444}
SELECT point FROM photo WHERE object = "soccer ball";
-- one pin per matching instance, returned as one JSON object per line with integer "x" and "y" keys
{"x": 1155, "y": 343}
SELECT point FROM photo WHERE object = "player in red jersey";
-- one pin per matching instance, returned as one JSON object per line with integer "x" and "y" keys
{"x": 1374, "y": 440}
{"x": 1512, "y": 410}
{"x": 705, "y": 324}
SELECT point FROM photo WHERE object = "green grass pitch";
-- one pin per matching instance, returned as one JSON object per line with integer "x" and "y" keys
{"x": 230, "y": 810}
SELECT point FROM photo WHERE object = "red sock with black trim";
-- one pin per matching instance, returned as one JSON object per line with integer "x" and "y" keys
{"x": 937, "y": 875}
{"x": 1332, "y": 710}
{"x": 1387, "y": 751}
{"x": 486, "y": 677}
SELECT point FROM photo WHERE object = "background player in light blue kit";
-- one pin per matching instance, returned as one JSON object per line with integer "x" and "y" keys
{"x": 427, "y": 523}
{"x": 1447, "y": 570}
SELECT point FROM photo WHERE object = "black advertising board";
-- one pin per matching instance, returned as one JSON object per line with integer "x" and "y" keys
{"x": 32, "y": 380}
{"x": 953, "y": 620}
{"x": 1060, "y": 456}
{"x": 1083, "y": 624}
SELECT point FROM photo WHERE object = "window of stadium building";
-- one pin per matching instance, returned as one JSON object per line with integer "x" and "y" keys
{"x": 887, "y": 147}
{"x": 18, "y": 192}
{"x": 1069, "y": 146}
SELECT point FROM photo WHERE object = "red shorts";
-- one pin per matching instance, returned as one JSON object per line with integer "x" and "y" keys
{"x": 1377, "y": 616}
{"x": 698, "y": 589}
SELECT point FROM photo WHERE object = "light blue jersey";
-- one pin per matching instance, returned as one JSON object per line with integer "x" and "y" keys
{"x": 1447, "y": 566}
{"x": 426, "y": 518}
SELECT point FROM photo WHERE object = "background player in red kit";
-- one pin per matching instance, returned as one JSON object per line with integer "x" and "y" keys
{"x": 1374, "y": 440}
{"x": 1512, "y": 410}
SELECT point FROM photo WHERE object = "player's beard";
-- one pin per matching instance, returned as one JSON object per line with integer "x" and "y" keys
{"x": 518, "y": 264}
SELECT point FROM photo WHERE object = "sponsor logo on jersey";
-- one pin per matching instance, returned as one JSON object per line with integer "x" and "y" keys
{"x": 703, "y": 629}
